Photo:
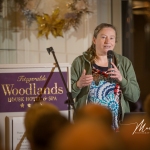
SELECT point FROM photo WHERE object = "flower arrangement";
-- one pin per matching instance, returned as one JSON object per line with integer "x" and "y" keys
{"x": 54, "y": 24}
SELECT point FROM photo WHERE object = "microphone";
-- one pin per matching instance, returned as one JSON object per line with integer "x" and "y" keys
{"x": 110, "y": 55}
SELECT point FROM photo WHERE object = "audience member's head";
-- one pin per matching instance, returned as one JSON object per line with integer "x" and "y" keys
{"x": 85, "y": 135}
{"x": 46, "y": 127}
{"x": 41, "y": 121}
{"x": 94, "y": 112}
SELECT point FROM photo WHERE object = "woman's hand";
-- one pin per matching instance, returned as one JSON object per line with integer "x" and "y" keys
{"x": 84, "y": 80}
{"x": 115, "y": 73}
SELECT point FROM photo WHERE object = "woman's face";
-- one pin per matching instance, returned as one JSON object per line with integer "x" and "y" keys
{"x": 105, "y": 40}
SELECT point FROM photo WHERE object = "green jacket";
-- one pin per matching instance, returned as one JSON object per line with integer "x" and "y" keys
{"x": 129, "y": 86}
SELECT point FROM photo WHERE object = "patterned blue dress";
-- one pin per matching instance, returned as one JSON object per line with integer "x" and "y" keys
{"x": 106, "y": 92}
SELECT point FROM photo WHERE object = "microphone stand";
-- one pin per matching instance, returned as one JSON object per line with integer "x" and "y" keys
{"x": 70, "y": 99}
{"x": 39, "y": 98}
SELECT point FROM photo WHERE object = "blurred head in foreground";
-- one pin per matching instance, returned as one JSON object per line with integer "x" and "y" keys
{"x": 42, "y": 121}
{"x": 96, "y": 113}
{"x": 85, "y": 135}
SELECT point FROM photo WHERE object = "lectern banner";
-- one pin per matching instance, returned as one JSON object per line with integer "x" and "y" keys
{"x": 19, "y": 90}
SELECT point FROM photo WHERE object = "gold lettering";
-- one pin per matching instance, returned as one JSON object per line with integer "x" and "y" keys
{"x": 15, "y": 91}
{"x": 54, "y": 89}
{"x": 10, "y": 90}
{"x": 7, "y": 88}
{"x": 21, "y": 99}
{"x": 34, "y": 89}
{"x": 28, "y": 80}
{"x": 39, "y": 91}
{"x": 48, "y": 90}
{"x": 9, "y": 99}
{"x": 16, "y": 99}
{"x": 29, "y": 90}
{"x": 44, "y": 98}
{"x": 30, "y": 98}
{"x": 60, "y": 90}
{"x": 22, "y": 91}
{"x": 52, "y": 98}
